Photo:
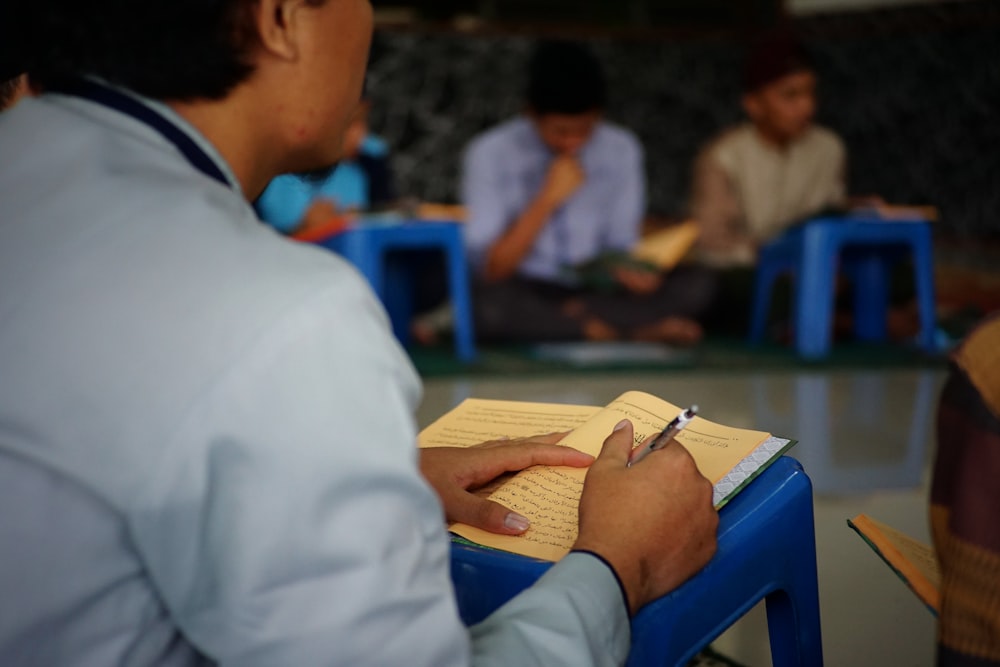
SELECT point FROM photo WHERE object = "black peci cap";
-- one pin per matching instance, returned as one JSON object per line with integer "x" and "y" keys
{"x": 774, "y": 56}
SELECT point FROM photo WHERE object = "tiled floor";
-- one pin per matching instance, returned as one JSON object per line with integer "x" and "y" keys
{"x": 866, "y": 439}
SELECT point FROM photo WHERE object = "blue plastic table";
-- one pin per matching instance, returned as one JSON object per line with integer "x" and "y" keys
{"x": 375, "y": 250}
{"x": 767, "y": 551}
{"x": 865, "y": 248}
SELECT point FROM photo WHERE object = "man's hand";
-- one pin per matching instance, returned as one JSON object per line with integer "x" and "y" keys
{"x": 654, "y": 522}
{"x": 455, "y": 472}
{"x": 564, "y": 178}
{"x": 638, "y": 281}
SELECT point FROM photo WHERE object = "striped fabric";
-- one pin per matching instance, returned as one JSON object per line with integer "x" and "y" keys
{"x": 965, "y": 503}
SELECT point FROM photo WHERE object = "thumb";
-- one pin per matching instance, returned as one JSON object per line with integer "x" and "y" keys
{"x": 488, "y": 515}
{"x": 618, "y": 445}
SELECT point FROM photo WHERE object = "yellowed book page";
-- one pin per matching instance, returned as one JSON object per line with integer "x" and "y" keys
{"x": 716, "y": 448}
{"x": 914, "y": 561}
{"x": 666, "y": 248}
{"x": 549, "y": 496}
{"x": 477, "y": 420}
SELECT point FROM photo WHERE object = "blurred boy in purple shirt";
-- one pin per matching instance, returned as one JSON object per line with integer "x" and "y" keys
{"x": 556, "y": 188}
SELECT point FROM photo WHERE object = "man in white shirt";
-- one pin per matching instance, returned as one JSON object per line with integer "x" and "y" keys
{"x": 206, "y": 437}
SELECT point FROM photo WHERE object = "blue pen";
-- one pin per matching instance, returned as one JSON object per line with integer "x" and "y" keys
{"x": 666, "y": 435}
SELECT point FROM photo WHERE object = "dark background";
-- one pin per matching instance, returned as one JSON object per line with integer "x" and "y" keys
{"x": 914, "y": 92}
{"x": 603, "y": 13}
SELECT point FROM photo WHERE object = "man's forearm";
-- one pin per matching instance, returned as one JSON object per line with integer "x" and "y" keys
{"x": 513, "y": 246}
{"x": 574, "y": 615}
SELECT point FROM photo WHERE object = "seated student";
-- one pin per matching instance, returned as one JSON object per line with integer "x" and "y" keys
{"x": 779, "y": 168}
{"x": 965, "y": 503}
{"x": 761, "y": 177}
{"x": 361, "y": 181}
{"x": 557, "y": 187}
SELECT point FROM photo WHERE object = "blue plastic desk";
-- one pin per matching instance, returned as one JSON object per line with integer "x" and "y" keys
{"x": 865, "y": 248}
{"x": 374, "y": 249}
{"x": 767, "y": 551}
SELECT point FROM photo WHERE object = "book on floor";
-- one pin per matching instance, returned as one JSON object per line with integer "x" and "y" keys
{"x": 549, "y": 496}
{"x": 914, "y": 562}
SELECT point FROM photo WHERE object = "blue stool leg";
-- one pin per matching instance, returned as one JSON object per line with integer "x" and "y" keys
{"x": 398, "y": 294}
{"x": 767, "y": 551}
{"x": 461, "y": 299}
{"x": 870, "y": 275}
{"x": 764, "y": 279}
{"x": 814, "y": 293}
{"x": 923, "y": 268}
{"x": 793, "y": 613}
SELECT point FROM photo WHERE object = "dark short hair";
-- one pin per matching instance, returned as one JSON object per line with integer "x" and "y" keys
{"x": 565, "y": 78}
{"x": 164, "y": 49}
{"x": 773, "y": 56}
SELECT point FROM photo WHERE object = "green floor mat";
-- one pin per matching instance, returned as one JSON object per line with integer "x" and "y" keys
{"x": 721, "y": 355}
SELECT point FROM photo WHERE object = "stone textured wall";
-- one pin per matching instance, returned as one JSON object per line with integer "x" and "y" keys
{"x": 914, "y": 92}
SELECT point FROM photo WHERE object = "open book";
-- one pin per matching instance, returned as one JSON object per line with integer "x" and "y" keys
{"x": 659, "y": 251}
{"x": 914, "y": 562}
{"x": 549, "y": 496}
{"x": 667, "y": 247}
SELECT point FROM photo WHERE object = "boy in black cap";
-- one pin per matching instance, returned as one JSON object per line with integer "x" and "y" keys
{"x": 757, "y": 179}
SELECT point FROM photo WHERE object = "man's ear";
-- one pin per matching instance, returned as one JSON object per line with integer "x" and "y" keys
{"x": 278, "y": 27}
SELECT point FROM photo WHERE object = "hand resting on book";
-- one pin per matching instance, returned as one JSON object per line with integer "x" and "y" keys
{"x": 654, "y": 523}
{"x": 455, "y": 473}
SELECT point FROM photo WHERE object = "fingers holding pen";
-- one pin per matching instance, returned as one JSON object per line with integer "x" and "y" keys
{"x": 617, "y": 446}
{"x": 654, "y": 521}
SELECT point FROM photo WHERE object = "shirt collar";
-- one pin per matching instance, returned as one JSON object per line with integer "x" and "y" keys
{"x": 184, "y": 126}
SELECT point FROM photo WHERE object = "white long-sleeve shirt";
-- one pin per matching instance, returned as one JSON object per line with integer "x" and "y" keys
{"x": 206, "y": 438}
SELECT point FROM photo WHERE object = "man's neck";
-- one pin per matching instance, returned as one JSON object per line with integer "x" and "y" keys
{"x": 231, "y": 127}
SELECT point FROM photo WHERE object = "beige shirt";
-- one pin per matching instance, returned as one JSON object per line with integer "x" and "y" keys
{"x": 747, "y": 191}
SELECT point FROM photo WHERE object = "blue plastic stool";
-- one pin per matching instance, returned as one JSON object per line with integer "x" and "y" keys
{"x": 767, "y": 551}
{"x": 865, "y": 248}
{"x": 374, "y": 249}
